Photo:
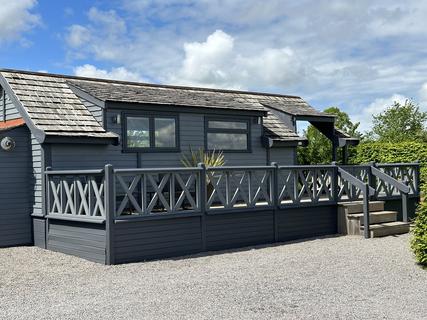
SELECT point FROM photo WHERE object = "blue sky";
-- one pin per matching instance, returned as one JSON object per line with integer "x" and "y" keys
{"x": 358, "y": 55}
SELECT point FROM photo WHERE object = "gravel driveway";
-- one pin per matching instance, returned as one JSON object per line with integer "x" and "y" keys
{"x": 329, "y": 278}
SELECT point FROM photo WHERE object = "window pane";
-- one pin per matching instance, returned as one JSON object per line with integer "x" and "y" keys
{"x": 228, "y": 125}
{"x": 227, "y": 141}
{"x": 138, "y": 132}
{"x": 164, "y": 132}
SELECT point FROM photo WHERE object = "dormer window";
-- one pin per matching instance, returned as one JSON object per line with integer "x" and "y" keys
{"x": 227, "y": 135}
{"x": 151, "y": 133}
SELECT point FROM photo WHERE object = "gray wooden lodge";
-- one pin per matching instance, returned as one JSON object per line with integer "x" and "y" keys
{"x": 91, "y": 167}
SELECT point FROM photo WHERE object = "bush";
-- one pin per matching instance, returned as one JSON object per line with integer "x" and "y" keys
{"x": 394, "y": 152}
{"x": 419, "y": 238}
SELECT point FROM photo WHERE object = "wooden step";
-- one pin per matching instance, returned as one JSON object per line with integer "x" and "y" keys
{"x": 357, "y": 206}
{"x": 387, "y": 229}
{"x": 375, "y": 217}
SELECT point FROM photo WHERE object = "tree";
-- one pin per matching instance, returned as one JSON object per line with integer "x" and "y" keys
{"x": 400, "y": 122}
{"x": 319, "y": 149}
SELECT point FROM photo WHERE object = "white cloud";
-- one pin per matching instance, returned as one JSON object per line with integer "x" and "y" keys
{"x": 77, "y": 36}
{"x": 364, "y": 116}
{"x": 16, "y": 18}
{"x": 422, "y": 93}
{"x": 119, "y": 73}
{"x": 218, "y": 62}
{"x": 331, "y": 52}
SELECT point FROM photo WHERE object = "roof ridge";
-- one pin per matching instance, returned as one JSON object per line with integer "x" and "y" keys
{"x": 166, "y": 86}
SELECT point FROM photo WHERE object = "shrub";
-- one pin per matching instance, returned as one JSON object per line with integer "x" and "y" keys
{"x": 394, "y": 152}
{"x": 419, "y": 235}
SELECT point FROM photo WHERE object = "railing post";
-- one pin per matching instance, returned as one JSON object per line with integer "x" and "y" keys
{"x": 109, "y": 203}
{"x": 203, "y": 200}
{"x": 275, "y": 196}
{"x": 372, "y": 178}
{"x": 47, "y": 201}
{"x": 335, "y": 188}
{"x": 405, "y": 205}
{"x": 366, "y": 217}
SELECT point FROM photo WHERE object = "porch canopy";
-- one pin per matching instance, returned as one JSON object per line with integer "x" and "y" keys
{"x": 300, "y": 110}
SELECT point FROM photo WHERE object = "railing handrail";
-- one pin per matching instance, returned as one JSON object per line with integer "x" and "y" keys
{"x": 73, "y": 172}
{"x": 354, "y": 181}
{"x": 398, "y": 164}
{"x": 159, "y": 170}
{"x": 390, "y": 180}
{"x": 237, "y": 168}
{"x": 297, "y": 167}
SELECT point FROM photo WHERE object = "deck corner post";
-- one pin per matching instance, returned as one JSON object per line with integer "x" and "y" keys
{"x": 335, "y": 189}
{"x": 276, "y": 202}
{"x": 203, "y": 200}
{"x": 109, "y": 200}
{"x": 366, "y": 231}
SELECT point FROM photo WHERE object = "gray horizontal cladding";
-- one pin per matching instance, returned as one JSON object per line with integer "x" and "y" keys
{"x": 135, "y": 241}
{"x": 192, "y": 134}
{"x": 11, "y": 111}
{"x": 306, "y": 222}
{"x": 239, "y": 229}
{"x": 396, "y": 205}
{"x": 39, "y": 232}
{"x": 84, "y": 240}
{"x": 146, "y": 240}
{"x": 15, "y": 196}
{"x": 284, "y": 156}
{"x": 35, "y": 184}
{"x": 80, "y": 156}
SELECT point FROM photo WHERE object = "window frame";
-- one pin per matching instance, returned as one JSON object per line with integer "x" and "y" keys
{"x": 151, "y": 125}
{"x": 246, "y": 131}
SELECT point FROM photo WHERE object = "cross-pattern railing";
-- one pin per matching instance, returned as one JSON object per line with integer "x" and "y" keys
{"x": 239, "y": 187}
{"x": 75, "y": 194}
{"x": 305, "y": 184}
{"x": 141, "y": 192}
{"x": 407, "y": 173}
{"x": 351, "y": 192}
{"x": 131, "y": 193}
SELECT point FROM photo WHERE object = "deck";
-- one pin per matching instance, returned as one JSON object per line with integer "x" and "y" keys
{"x": 114, "y": 215}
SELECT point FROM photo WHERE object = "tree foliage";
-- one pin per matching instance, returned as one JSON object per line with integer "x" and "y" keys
{"x": 400, "y": 122}
{"x": 319, "y": 149}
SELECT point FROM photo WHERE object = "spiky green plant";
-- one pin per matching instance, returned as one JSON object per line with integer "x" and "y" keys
{"x": 209, "y": 158}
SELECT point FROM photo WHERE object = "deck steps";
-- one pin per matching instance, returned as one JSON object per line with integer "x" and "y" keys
{"x": 388, "y": 228}
{"x": 375, "y": 217}
{"x": 381, "y": 222}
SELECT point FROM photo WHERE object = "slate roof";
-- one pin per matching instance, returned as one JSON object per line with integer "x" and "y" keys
{"x": 55, "y": 108}
{"x": 278, "y": 131}
{"x": 119, "y": 91}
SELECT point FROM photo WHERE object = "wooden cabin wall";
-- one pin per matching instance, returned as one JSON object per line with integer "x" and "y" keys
{"x": 15, "y": 192}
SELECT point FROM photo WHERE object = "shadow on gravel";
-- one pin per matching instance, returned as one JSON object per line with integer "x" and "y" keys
{"x": 248, "y": 248}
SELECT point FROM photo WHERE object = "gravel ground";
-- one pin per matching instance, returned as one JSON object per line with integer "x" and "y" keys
{"x": 329, "y": 278}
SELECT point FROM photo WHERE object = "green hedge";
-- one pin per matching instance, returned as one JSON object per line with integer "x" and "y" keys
{"x": 419, "y": 235}
{"x": 393, "y": 152}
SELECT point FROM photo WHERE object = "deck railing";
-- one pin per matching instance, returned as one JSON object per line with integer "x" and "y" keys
{"x": 239, "y": 187}
{"x": 92, "y": 195}
{"x": 75, "y": 194}
{"x": 299, "y": 185}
